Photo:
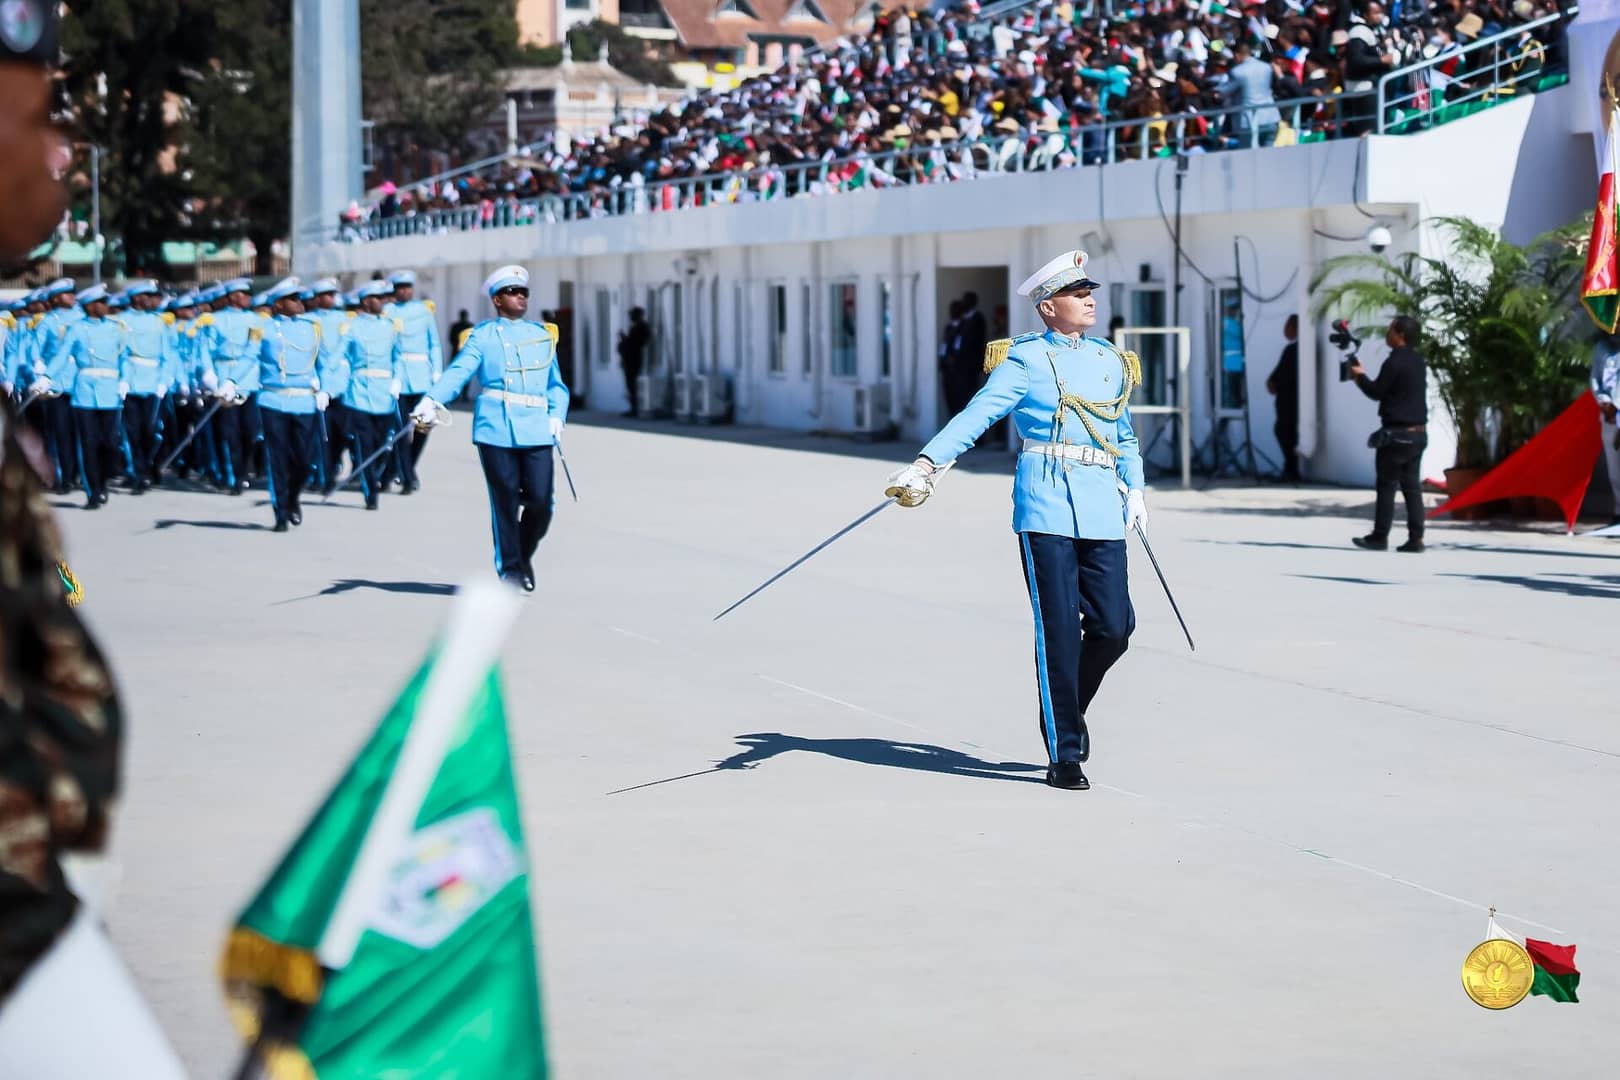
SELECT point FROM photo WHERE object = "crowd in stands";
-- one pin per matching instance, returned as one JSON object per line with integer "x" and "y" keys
{"x": 933, "y": 96}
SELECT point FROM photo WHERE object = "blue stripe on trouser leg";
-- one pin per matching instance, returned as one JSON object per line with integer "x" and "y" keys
{"x": 1047, "y": 725}
{"x": 1053, "y": 569}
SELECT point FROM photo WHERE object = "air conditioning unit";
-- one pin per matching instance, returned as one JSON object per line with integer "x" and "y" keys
{"x": 683, "y": 396}
{"x": 653, "y": 392}
{"x": 872, "y": 409}
{"x": 711, "y": 397}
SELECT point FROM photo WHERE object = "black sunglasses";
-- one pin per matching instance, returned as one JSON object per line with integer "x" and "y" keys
{"x": 512, "y": 290}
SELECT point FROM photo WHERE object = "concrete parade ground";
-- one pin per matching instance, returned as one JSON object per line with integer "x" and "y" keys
{"x": 811, "y": 841}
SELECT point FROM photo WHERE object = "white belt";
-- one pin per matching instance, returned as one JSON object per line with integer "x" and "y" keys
{"x": 376, "y": 372}
{"x": 295, "y": 391}
{"x": 99, "y": 372}
{"x": 510, "y": 398}
{"x": 1081, "y": 455}
{"x": 143, "y": 361}
{"x": 414, "y": 357}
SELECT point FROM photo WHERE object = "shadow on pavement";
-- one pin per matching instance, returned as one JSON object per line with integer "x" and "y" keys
{"x": 1341, "y": 580}
{"x": 762, "y": 746}
{"x": 169, "y": 523}
{"x": 412, "y": 588}
{"x": 1599, "y": 585}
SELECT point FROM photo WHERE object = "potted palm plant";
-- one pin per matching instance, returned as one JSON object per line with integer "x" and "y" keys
{"x": 1503, "y": 335}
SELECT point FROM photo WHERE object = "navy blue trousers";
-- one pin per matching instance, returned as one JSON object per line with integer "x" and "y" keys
{"x": 520, "y": 497}
{"x": 289, "y": 446}
{"x": 101, "y": 447}
{"x": 1080, "y": 595}
{"x": 143, "y": 428}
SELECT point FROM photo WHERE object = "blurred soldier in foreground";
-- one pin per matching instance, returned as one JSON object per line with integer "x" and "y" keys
{"x": 68, "y": 1009}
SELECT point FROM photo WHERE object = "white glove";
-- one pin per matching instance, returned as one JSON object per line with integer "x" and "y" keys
{"x": 1136, "y": 512}
{"x": 210, "y": 381}
{"x": 163, "y": 391}
{"x": 395, "y": 387}
{"x": 556, "y": 426}
{"x": 123, "y": 391}
{"x": 426, "y": 413}
{"x": 41, "y": 385}
{"x": 227, "y": 390}
{"x": 912, "y": 485}
{"x": 322, "y": 400}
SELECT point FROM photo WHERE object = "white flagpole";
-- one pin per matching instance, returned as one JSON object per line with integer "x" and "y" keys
{"x": 479, "y": 622}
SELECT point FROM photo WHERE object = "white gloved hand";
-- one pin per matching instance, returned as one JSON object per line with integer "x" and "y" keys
{"x": 41, "y": 385}
{"x": 1136, "y": 515}
{"x": 395, "y": 387}
{"x": 163, "y": 391}
{"x": 227, "y": 390}
{"x": 123, "y": 391}
{"x": 210, "y": 381}
{"x": 912, "y": 485}
{"x": 426, "y": 413}
{"x": 556, "y": 426}
{"x": 322, "y": 400}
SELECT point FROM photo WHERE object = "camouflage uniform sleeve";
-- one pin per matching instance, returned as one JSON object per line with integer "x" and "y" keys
{"x": 60, "y": 724}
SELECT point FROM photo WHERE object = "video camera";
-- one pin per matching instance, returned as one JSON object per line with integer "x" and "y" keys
{"x": 1341, "y": 338}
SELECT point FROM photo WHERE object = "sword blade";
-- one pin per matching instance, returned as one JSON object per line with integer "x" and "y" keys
{"x": 207, "y": 415}
{"x": 360, "y": 469}
{"x": 806, "y": 557}
{"x": 567, "y": 474}
{"x": 29, "y": 400}
{"x": 1168, "y": 595}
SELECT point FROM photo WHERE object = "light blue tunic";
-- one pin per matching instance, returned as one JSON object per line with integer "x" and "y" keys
{"x": 421, "y": 353}
{"x": 144, "y": 367}
{"x": 515, "y": 361}
{"x": 290, "y": 358}
{"x": 371, "y": 352}
{"x": 89, "y": 359}
{"x": 1053, "y": 495}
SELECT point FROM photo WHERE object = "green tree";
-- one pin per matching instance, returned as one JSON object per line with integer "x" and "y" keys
{"x": 630, "y": 54}
{"x": 238, "y": 131}
{"x": 129, "y": 64}
{"x": 430, "y": 69}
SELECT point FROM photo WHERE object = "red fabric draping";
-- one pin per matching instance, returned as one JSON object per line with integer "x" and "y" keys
{"x": 1556, "y": 464}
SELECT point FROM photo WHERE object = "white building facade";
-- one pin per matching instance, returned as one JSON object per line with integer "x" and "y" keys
{"x": 825, "y": 313}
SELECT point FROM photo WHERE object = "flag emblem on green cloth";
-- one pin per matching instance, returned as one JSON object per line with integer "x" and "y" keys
{"x": 395, "y": 937}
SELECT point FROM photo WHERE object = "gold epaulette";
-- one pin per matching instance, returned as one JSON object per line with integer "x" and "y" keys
{"x": 554, "y": 331}
{"x": 35, "y": 320}
{"x": 431, "y": 306}
{"x": 343, "y": 328}
{"x": 462, "y": 340}
{"x": 995, "y": 354}
{"x": 1131, "y": 363}
{"x": 9, "y": 320}
{"x": 168, "y": 318}
{"x": 256, "y": 333}
{"x": 399, "y": 325}
{"x": 205, "y": 319}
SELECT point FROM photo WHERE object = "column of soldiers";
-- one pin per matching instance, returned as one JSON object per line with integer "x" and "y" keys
{"x": 232, "y": 389}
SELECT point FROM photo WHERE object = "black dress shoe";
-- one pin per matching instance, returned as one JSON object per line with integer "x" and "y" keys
{"x": 1085, "y": 741}
{"x": 296, "y": 516}
{"x": 1413, "y": 546}
{"x": 1371, "y": 542}
{"x": 281, "y": 526}
{"x": 235, "y": 489}
{"x": 514, "y": 580}
{"x": 1068, "y": 776}
{"x": 527, "y": 578}
{"x": 371, "y": 503}
{"x": 92, "y": 503}
{"x": 102, "y": 498}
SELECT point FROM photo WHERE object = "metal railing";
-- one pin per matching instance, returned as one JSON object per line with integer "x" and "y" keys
{"x": 1488, "y": 70}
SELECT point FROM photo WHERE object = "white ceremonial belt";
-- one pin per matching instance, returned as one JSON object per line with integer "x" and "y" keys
{"x": 1081, "y": 455}
{"x": 295, "y": 391}
{"x": 535, "y": 400}
{"x": 100, "y": 372}
{"x": 376, "y": 372}
{"x": 143, "y": 361}
{"x": 414, "y": 357}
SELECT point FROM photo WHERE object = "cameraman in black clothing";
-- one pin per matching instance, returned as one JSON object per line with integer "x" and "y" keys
{"x": 1402, "y": 393}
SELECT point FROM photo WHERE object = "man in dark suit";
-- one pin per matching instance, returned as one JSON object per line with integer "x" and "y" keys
{"x": 1283, "y": 382}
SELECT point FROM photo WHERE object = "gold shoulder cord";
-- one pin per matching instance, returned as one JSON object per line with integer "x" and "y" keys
{"x": 1112, "y": 410}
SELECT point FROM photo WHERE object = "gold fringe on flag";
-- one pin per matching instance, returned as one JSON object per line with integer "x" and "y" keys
{"x": 75, "y": 591}
{"x": 252, "y": 958}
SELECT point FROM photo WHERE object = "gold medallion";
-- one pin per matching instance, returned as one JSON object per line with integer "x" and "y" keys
{"x": 1497, "y": 973}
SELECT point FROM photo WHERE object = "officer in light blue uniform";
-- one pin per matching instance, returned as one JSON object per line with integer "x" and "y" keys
{"x": 522, "y": 406}
{"x": 423, "y": 362}
{"x": 291, "y": 356}
{"x": 87, "y": 365}
{"x": 61, "y": 311}
{"x": 146, "y": 375}
{"x": 320, "y": 304}
{"x": 1077, "y": 489}
{"x": 370, "y": 351}
{"x": 236, "y": 365}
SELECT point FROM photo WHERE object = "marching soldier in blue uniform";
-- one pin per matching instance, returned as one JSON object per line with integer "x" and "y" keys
{"x": 1077, "y": 490}
{"x": 291, "y": 356}
{"x": 145, "y": 377}
{"x": 87, "y": 366}
{"x": 521, "y": 409}
{"x": 236, "y": 366}
{"x": 371, "y": 352}
{"x": 423, "y": 362}
{"x": 61, "y": 311}
{"x": 320, "y": 303}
